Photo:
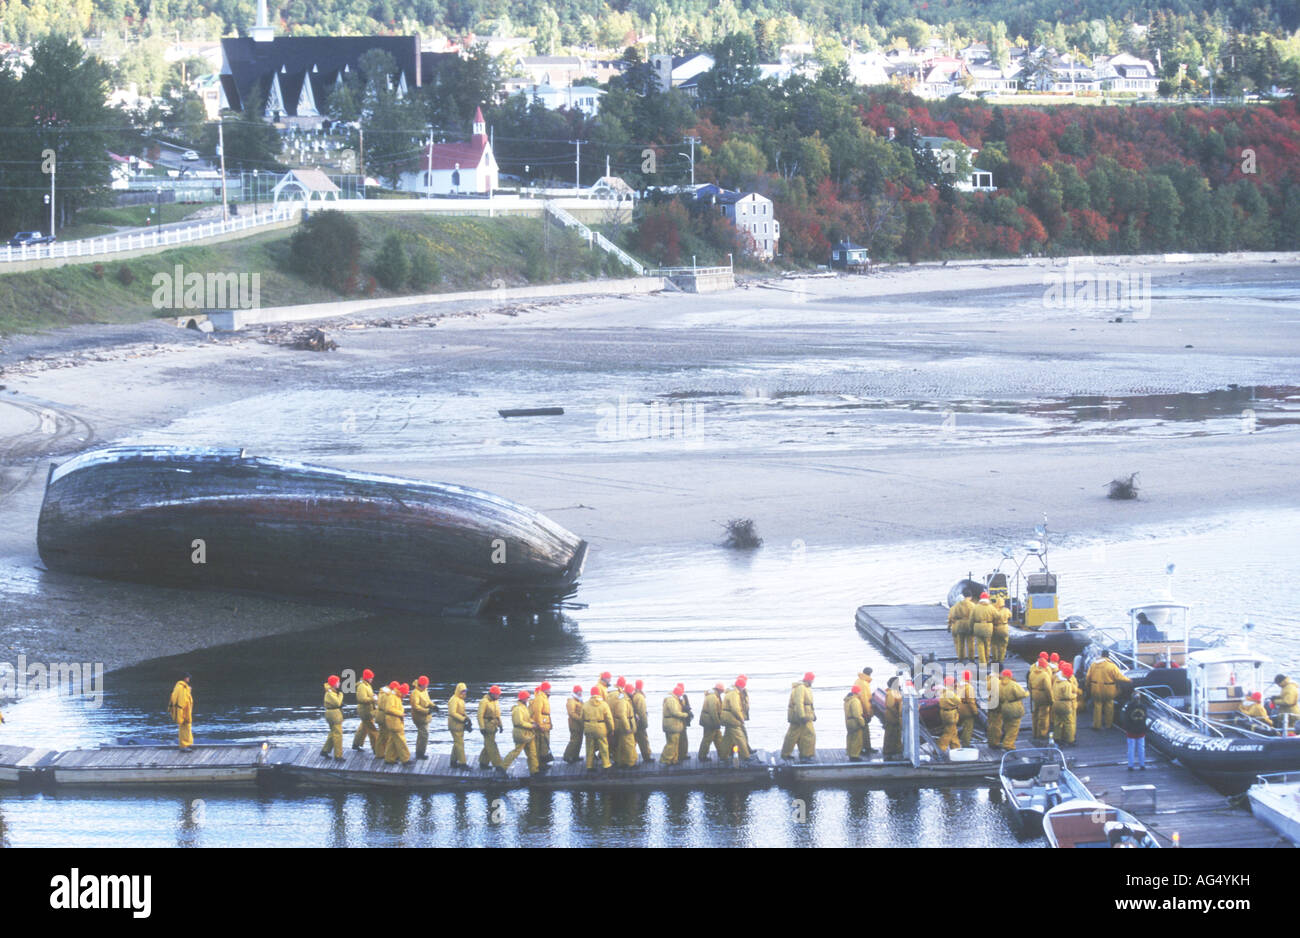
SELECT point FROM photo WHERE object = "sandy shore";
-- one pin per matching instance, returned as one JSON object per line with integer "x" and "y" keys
{"x": 922, "y": 403}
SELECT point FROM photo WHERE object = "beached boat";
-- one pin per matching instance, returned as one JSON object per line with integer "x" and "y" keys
{"x": 222, "y": 519}
{"x": 1033, "y": 782}
{"x": 1088, "y": 823}
{"x": 1275, "y": 800}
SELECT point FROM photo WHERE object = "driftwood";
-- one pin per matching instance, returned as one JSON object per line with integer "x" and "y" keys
{"x": 313, "y": 340}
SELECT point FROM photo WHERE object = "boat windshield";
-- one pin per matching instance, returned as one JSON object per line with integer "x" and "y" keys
{"x": 1159, "y": 634}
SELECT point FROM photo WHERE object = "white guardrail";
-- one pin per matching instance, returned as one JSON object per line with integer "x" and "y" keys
{"x": 115, "y": 243}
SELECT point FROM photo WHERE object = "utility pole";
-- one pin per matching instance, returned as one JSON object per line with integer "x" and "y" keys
{"x": 428, "y": 180}
{"x": 221, "y": 152}
{"x": 577, "y": 164}
{"x": 53, "y": 165}
{"x": 361, "y": 158}
{"x": 692, "y": 141}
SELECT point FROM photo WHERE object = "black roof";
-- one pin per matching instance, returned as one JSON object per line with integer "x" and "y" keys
{"x": 249, "y": 63}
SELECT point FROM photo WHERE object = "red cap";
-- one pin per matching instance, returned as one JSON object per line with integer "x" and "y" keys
{"x": 949, "y": 680}
{"x": 1067, "y": 670}
{"x": 367, "y": 675}
{"x": 1042, "y": 656}
{"x": 405, "y": 689}
{"x": 494, "y": 690}
{"x": 679, "y": 690}
{"x": 965, "y": 675}
{"x": 598, "y": 691}
{"x": 1006, "y": 672}
{"x": 545, "y": 687}
{"x": 855, "y": 689}
{"x": 577, "y": 689}
{"x": 332, "y": 680}
{"x": 719, "y": 686}
{"x": 984, "y": 595}
{"x": 1257, "y": 696}
{"x": 742, "y": 681}
{"x": 393, "y": 685}
{"x": 808, "y": 677}
{"x": 621, "y": 681}
{"x": 523, "y": 695}
{"x": 604, "y": 675}
{"x": 1055, "y": 657}
{"x": 422, "y": 681}
{"x": 640, "y": 684}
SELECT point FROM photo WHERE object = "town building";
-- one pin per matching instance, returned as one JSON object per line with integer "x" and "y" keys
{"x": 460, "y": 168}
{"x": 750, "y": 212}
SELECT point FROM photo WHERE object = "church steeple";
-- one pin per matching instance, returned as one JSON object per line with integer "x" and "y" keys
{"x": 480, "y": 125}
{"x": 262, "y": 32}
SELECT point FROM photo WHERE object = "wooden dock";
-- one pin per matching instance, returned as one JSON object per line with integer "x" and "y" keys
{"x": 832, "y": 767}
{"x": 237, "y": 763}
{"x": 1176, "y": 801}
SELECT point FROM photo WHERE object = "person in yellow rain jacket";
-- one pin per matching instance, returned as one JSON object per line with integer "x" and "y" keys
{"x": 458, "y": 725}
{"x": 1040, "y": 695}
{"x": 711, "y": 722}
{"x": 395, "y": 721}
{"x": 799, "y": 713}
{"x": 734, "y": 738}
{"x": 1001, "y": 630}
{"x": 333, "y": 718}
{"x": 1287, "y": 702}
{"x": 863, "y": 684}
{"x": 959, "y": 626}
{"x": 970, "y": 706}
{"x": 489, "y": 724}
{"x": 525, "y": 735}
{"x": 540, "y": 711}
{"x": 674, "y": 724}
{"x": 949, "y": 715}
{"x": 1064, "y": 711}
{"x": 993, "y": 713}
{"x": 981, "y": 626}
{"x": 1011, "y": 708}
{"x": 573, "y": 710}
{"x": 422, "y": 708}
{"x": 1078, "y": 691}
{"x": 642, "y": 713}
{"x": 855, "y": 721}
{"x": 1104, "y": 680}
{"x": 366, "y": 713}
{"x": 597, "y": 727}
{"x": 623, "y": 742}
{"x": 893, "y": 719}
{"x": 385, "y": 735}
{"x": 181, "y": 709}
{"x": 1253, "y": 706}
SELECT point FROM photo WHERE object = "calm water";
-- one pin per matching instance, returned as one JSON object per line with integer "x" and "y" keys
{"x": 697, "y": 618}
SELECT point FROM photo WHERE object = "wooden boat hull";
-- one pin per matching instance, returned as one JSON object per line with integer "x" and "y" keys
{"x": 219, "y": 519}
{"x": 1083, "y": 823}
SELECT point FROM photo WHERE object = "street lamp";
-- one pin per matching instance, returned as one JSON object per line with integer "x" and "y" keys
{"x": 255, "y": 193}
{"x": 692, "y": 159}
{"x": 157, "y": 190}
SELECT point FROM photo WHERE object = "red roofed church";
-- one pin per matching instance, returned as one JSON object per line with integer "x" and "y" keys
{"x": 444, "y": 168}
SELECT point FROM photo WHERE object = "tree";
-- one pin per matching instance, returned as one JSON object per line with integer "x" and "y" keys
{"x": 735, "y": 69}
{"x": 392, "y": 267}
{"x": 326, "y": 249}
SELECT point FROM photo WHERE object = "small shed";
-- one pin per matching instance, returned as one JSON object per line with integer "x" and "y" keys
{"x": 849, "y": 256}
{"x": 309, "y": 185}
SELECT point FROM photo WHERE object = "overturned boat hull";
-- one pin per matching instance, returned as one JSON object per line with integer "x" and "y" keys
{"x": 220, "y": 519}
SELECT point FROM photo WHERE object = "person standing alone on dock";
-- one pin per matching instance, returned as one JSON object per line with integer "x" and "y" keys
{"x": 422, "y": 707}
{"x": 1010, "y": 711}
{"x": 1040, "y": 696}
{"x": 893, "y": 719}
{"x": 181, "y": 709}
{"x": 597, "y": 727}
{"x": 1135, "y": 727}
{"x": 959, "y": 626}
{"x": 854, "y": 723}
{"x": 366, "y": 712}
{"x": 489, "y": 724}
{"x": 674, "y": 724}
{"x": 1064, "y": 711}
{"x": 333, "y": 718}
{"x": 642, "y": 713}
{"x": 711, "y": 722}
{"x": 573, "y": 708}
{"x": 540, "y": 711}
{"x": 799, "y": 713}
{"x": 525, "y": 735}
{"x": 458, "y": 723}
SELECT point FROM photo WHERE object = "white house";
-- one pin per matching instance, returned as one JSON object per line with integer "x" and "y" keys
{"x": 1126, "y": 72}
{"x": 674, "y": 70}
{"x": 749, "y": 212}
{"x": 582, "y": 98}
{"x": 453, "y": 168}
{"x": 945, "y": 151}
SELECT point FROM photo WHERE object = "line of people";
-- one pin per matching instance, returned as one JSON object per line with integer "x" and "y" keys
{"x": 980, "y": 630}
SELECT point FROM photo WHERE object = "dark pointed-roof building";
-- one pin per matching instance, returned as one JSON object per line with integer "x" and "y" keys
{"x": 297, "y": 74}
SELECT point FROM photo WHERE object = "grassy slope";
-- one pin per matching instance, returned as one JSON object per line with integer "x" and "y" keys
{"x": 472, "y": 254}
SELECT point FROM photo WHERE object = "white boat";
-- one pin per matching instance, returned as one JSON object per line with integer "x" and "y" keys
{"x": 1275, "y": 800}
{"x": 1079, "y": 823}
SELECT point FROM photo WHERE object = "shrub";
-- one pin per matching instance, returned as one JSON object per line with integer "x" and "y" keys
{"x": 1123, "y": 488}
{"x": 326, "y": 249}
{"x": 125, "y": 276}
{"x": 392, "y": 266}
{"x": 97, "y": 271}
{"x": 424, "y": 267}
{"x": 742, "y": 535}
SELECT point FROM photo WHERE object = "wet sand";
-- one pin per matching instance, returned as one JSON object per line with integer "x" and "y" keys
{"x": 915, "y": 405}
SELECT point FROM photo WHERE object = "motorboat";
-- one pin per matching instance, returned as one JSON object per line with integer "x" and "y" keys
{"x": 225, "y": 519}
{"x": 1275, "y": 800}
{"x": 1088, "y": 823}
{"x": 1033, "y": 782}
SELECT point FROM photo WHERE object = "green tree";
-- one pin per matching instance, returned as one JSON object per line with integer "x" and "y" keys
{"x": 392, "y": 266}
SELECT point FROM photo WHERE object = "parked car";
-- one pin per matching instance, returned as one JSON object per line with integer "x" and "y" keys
{"x": 30, "y": 237}
{"x": 189, "y": 155}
